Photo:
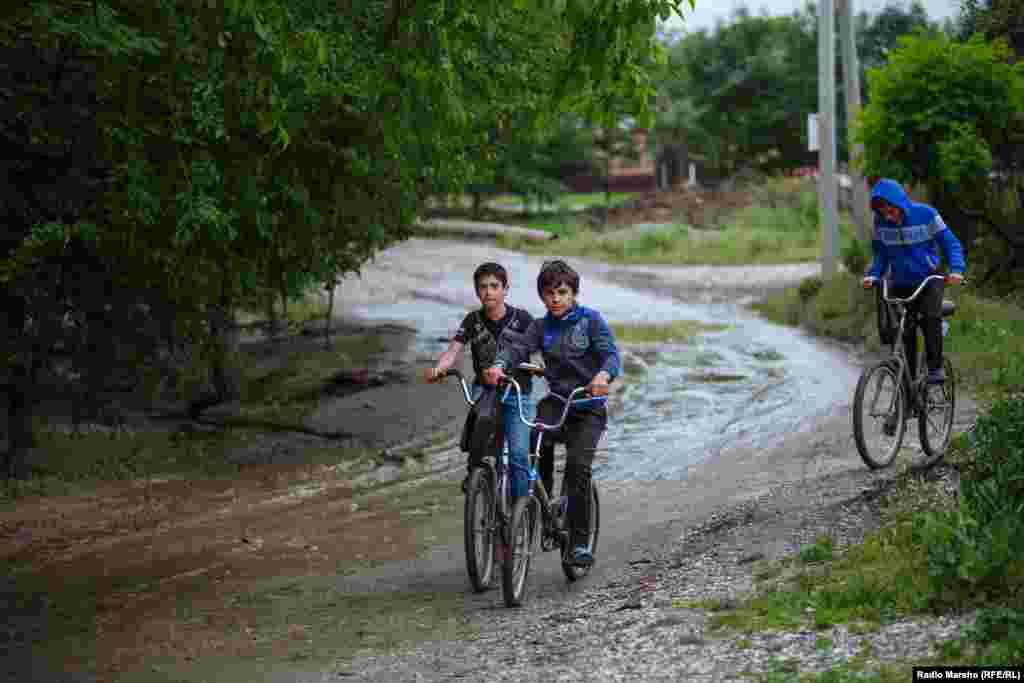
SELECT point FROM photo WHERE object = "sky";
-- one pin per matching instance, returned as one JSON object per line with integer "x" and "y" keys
{"x": 708, "y": 12}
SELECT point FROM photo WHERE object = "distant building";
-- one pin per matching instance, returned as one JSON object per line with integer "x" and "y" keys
{"x": 628, "y": 173}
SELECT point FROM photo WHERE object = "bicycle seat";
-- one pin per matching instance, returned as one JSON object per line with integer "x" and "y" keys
{"x": 948, "y": 308}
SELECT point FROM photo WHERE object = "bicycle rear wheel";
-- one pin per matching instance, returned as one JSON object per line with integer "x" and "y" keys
{"x": 573, "y": 572}
{"x": 479, "y": 528}
{"x": 879, "y": 420}
{"x": 935, "y": 426}
{"x": 524, "y": 537}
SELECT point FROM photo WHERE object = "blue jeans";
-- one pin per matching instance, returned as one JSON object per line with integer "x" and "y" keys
{"x": 517, "y": 435}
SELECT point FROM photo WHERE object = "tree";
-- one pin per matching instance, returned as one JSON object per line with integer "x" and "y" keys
{"x": 878, "y": 34}
{"x": 247, "y": 146}
{"x": 946, "y": 116}
{"x": 739, "y": 96}
{"x": 995, "y": 19}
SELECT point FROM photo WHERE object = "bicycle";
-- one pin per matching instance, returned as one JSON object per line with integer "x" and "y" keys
{"x": 486, "y": 511}
{"x": 904, "y": 394}
{"x": 536, "y": 518}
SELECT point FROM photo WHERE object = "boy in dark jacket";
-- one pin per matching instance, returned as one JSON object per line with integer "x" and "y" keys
{"x": 579, "y": 350}
{"x": 485, "y": 330}
{"x": 904, "y": 246}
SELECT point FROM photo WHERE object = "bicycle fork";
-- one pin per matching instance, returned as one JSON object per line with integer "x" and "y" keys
{"x": 555, "y": 534}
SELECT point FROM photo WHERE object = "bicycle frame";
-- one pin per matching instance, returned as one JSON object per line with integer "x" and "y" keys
{"x": 502, "y": 460}
{"x": 537, "y": 484}
{"x": 899, "y": 354}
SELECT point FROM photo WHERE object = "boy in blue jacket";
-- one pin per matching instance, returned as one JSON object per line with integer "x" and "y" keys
{"x": 579, "y": 350}
{"x": 904, "y": 246}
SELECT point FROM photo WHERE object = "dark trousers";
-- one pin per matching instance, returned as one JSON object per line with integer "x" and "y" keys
{"x": 929, "y": 305}
{"x": 580, "y": 434}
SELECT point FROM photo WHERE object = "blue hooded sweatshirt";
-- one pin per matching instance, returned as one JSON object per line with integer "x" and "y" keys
{"x": 908, "y": 250}
{"x": 575, "y": 348}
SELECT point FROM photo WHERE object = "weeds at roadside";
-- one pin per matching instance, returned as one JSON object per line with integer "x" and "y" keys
{"x": 678, "y": 331}
{"x": 855, "y": 671}
{"x": 819, "y": 551}
{"x": 784, "y": 233}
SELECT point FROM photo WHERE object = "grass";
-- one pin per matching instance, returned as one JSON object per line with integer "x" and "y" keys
{"x": 870, "y": 584}
{"x": 678, "y": 331}
{"x": 982, "y": 343}
{"x": 755, "y": 235}
{"x": 284, "y": 394}
{"x": 932, "y": 552}
{"x": 278, "y": 621}
{"x": 276, "y": 396}
{"x": 315, "y": 621}
{"x": 567, "y": 202}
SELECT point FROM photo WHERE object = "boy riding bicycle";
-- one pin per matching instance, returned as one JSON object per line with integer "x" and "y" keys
{"x": 904, "y": 246}
{"x": 579, "y": 350}
{"x": 486, "y": 330}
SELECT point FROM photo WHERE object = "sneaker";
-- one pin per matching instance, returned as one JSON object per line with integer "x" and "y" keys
{"x": 581, "y": 556}
{"x": 936, "y": 376}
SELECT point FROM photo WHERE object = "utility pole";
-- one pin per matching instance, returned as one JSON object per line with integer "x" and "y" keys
{"x": 827, "y": 135}
{"x": 851, "y": 84}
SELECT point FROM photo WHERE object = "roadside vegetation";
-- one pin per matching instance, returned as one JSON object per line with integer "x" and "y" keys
{"x": 933, "y": 552}
{"x": 281, "y": 383}
{"x": 784, "y": 231}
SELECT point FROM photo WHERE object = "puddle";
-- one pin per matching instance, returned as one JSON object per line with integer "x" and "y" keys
{"x": 744, "y": 385}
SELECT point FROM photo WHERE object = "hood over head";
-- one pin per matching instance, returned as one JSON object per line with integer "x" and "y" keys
{"x": 892, "y": 192}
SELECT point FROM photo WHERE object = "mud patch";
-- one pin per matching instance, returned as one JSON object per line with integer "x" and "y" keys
{"x": 145, "y": 570}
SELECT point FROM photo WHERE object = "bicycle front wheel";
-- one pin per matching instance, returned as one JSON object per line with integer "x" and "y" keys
{"x": 935, "y": 426}
{"x": 524, "y": 537}
{"x": 878, "y": 415}
{"x": 572, "y": 571}
{"x": 479, "y": 528}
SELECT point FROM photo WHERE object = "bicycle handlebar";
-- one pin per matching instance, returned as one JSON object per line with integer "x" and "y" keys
{"x": 452, "y": 372}
{"x": 512, "y": 383}
{"x": 912, "y": 297}
{"x": 569, "y": 401}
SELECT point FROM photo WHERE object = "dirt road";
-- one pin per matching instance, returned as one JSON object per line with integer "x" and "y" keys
{"x": 301, "y": 572}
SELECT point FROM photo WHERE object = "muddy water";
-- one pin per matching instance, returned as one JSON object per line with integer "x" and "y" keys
{"x": 748, "y": 385}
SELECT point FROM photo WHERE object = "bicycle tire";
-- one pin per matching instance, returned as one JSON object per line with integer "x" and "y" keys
{"x": 479, "y": 528}
{"x": 870, "y": 458}
{"x": 933, "y": 452}
{"x": 571, "y": 571}
{"x": 523, "y": 536}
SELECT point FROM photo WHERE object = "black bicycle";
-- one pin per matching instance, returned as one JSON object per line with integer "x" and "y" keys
{"x": 487, "y": 510}
{"x": 539, "y": 521}
{"x": 887, "y": 396}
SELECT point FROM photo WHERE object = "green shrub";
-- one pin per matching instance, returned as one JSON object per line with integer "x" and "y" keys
{"x": 999, "y": 445}
{"x": 979, "y": 547}
{"x": 809, "y": 288}
{"x": 842, "y": 309}
{"x": 819, "y": 551}
{"x": 856, "y": 255}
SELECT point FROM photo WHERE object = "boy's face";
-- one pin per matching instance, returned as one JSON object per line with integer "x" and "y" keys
{"x": 491, "y": 292}
{"x": 891, "y": 213}
{"x": 559, "y": 299}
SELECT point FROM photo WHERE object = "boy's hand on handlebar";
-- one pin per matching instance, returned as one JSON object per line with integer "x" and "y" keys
{"x": 954, "y": 279}
{"x": 599, "y": 385}
{"x": 868, "y": 282}
{"x": 493, "y": 375}
{"x": 432, "y": 375}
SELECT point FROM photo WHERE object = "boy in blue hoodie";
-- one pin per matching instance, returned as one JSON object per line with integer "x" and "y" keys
{"x": 579, "y": 350}
{"x": 904, "y": 246}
